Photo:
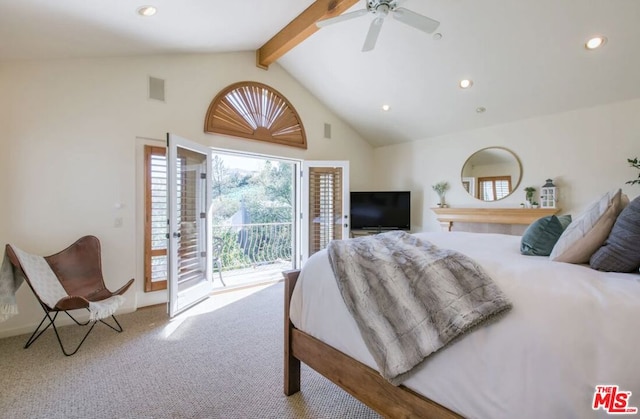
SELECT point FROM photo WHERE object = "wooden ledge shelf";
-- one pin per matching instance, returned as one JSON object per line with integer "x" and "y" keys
{"x": 447, "y": 216}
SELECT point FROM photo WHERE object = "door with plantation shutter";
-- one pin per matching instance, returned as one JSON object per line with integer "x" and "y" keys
{"x": 156, "y": 216}
{"x": 325, "y": 205}
{"x": 189, "y": 241}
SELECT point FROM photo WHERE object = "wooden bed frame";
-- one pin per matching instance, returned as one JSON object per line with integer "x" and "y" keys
{"x": 357, "y": 379}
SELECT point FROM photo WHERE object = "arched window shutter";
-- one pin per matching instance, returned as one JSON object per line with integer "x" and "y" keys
{"x": 255, "y": 111}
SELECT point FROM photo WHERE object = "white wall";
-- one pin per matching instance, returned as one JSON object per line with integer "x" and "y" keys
{"x": 585, "y": 152}
{"x": 72, "y": 137}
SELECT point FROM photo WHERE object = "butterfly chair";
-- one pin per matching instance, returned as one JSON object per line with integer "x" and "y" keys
{"x": 69, "y": 280}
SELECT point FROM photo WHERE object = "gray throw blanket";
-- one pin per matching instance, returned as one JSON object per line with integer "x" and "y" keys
{"x": 409, "y": 297}
{"x": 9, "y": 284}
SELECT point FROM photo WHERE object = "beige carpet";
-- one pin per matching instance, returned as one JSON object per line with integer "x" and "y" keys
{"x": 225, "y": 363}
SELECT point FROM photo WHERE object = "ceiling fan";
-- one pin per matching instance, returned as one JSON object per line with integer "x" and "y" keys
{"x": 381, "y": 9}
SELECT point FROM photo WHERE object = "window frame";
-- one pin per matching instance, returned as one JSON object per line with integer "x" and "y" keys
{"x": 493, "y": 180}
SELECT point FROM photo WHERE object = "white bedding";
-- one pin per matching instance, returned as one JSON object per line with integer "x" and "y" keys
{"x": 571, "y": 328}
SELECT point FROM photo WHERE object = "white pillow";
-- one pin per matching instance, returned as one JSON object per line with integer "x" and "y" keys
{"x": 589, "y": 231}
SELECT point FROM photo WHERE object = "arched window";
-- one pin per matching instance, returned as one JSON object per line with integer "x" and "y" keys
{"x": 256, "y": 111}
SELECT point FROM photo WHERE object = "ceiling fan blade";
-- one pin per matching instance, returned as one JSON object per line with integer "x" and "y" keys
{"x": 372, "y": 35}
{"x": 423, "y": 23}
{"x": 340, "y": 18}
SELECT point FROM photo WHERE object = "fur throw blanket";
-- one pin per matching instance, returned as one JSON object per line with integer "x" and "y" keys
{"x": 409, "y": 297}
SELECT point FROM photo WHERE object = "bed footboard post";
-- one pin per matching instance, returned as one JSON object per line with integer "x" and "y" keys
{"x": 291, "y": 364}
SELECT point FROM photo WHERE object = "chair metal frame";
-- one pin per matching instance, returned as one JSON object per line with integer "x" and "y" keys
{"x": 52, "y": 320}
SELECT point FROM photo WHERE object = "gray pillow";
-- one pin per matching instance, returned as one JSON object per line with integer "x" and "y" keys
{"x": 621, "y": 250}
{"x": 590, "y": 230}
{"x": 541, "y": 235}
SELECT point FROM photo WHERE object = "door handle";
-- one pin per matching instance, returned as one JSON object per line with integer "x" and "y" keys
{"x": 176, "y": 235}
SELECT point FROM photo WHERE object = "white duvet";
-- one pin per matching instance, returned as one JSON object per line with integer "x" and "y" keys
{"x": 571, "y": 328}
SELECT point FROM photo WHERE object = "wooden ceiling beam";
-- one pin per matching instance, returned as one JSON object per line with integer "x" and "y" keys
{"x": 299, "y": 29}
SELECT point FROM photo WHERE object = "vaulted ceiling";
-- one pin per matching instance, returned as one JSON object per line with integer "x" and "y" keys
{"x": 526, "y": 58}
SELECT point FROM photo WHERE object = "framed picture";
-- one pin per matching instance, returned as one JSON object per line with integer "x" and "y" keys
{"x": 469, "y": 184}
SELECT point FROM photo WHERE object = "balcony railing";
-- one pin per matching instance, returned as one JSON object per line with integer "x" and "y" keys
{"x": 252, "y": 245}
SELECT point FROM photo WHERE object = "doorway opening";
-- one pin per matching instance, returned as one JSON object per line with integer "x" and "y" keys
{"x": 253, "y": 222}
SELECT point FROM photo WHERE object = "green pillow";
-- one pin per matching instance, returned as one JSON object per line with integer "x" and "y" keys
{"x": 565, "y": 220}
{"x": 540, "y": 237}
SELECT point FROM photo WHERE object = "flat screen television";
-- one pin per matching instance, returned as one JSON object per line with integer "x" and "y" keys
{"x": 390, "y": 210}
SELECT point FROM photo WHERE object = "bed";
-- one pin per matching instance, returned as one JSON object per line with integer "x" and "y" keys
{"x": 570, "y": 329}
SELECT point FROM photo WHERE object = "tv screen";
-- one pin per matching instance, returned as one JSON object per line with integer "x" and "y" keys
{"x": 381, "y": 210}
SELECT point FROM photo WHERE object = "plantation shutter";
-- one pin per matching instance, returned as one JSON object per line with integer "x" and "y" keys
{"x": 189, "y": 198}
{"x": 255, "y": 111}
{"x": 486, "y": 190}
{"x": 189, "y": 205}
{"x": 325, "y": 205}
{"x": 503, "y": 187}
{"x": 155, "y": 228}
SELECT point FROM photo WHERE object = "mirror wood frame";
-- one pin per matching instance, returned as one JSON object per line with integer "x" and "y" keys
{"x": 470, "y": 184}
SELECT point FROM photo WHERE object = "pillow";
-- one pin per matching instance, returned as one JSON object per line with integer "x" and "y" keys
{"x": 565, "y": 220}
{"x": 621, "y": 251}
{"x": 541, "y": 235}
{"x": 589, "y": 231}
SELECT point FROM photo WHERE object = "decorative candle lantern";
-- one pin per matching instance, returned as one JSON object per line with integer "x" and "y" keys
{"x": 548, "y": 195}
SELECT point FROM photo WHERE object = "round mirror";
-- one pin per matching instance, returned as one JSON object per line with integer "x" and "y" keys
{"x": 491, "y": 174}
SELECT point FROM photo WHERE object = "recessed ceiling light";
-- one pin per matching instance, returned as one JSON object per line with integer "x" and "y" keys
{"x": 147, "y": 11}
{"x": 481, "y": 109}
{"x": 595, "y": 42}
{"x": 465, "y": 84}
{"x": 386, "y": 107}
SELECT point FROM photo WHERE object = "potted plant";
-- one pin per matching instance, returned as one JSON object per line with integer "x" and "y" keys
{"x": 441, "y": 189}
{"x": 529, "y": 190}
{"x": 634, "y": 163}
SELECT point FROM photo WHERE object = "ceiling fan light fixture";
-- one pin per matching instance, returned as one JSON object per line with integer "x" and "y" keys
{"x": 595, "y": 42}
{"x": 466, "y": 83}
{"x": 147, "y": 11}
{"x": 381, "y": 9}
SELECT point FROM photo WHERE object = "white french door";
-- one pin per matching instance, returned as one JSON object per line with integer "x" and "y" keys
{"x": 189, "y": 239}
{"x": 324, "y": 205}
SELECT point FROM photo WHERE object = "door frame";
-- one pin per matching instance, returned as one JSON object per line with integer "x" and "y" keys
{"x": 181, "y": 300}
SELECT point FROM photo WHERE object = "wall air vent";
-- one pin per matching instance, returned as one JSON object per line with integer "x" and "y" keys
{"x": 156, "y": 89}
